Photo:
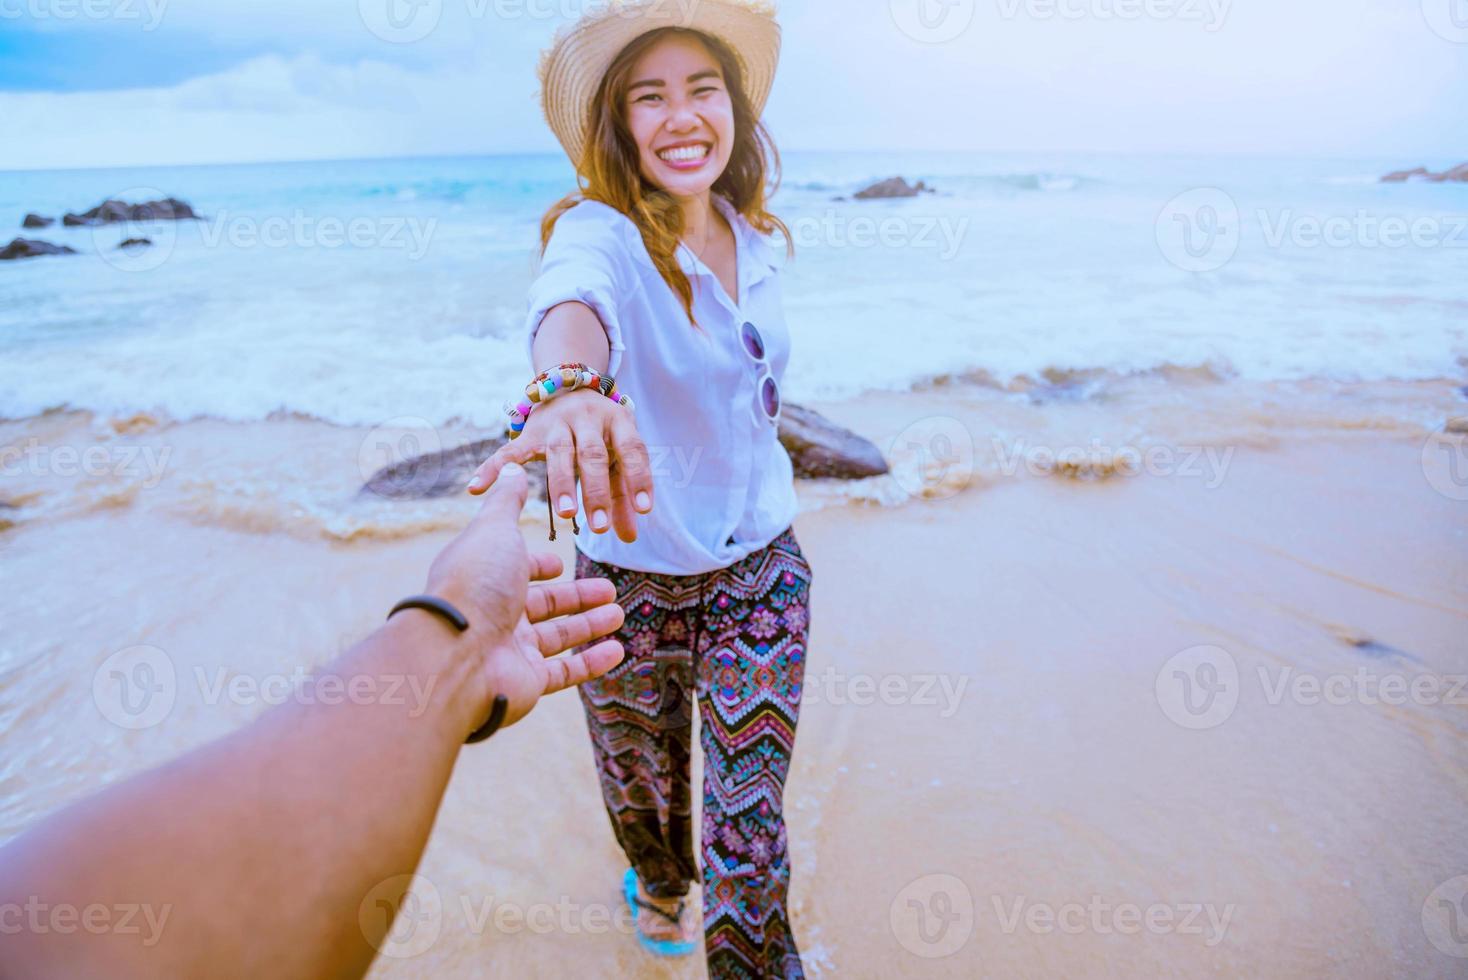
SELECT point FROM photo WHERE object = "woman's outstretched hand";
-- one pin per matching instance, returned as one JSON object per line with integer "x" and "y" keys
{"x": 583, "y": 434}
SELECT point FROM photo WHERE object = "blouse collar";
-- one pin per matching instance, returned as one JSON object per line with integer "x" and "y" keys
{"x": 755, "y": 259}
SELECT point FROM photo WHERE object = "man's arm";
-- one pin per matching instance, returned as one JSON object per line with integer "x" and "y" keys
{"x": 252, "y": 855}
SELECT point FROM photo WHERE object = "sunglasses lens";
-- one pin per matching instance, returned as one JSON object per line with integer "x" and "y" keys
{"x": 753, "y": 342}
{"x": 770, "y": 397}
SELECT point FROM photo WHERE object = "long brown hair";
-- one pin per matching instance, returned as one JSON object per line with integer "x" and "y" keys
{"x": 610, "y": 169}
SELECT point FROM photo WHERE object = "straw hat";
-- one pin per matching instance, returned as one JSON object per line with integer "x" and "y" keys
{"x": 571, "y": 69}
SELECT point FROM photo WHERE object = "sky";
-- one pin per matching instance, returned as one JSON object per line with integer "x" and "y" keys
{"x": 95, "y": 83}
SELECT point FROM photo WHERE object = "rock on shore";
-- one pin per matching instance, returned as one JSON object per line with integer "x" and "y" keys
{"x": 892, "y": 187}
{"x": 1456, "y": 174}
{"x": 30, "y": 248}
{"x": 114, "y": 212}
{"x": 818, "y": 448}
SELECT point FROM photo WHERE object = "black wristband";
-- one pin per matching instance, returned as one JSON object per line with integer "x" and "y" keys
{"x": 454, "y": 618}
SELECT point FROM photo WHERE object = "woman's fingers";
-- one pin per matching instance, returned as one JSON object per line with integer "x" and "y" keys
{"x": 632, "y": 460}
{"x": 624, "y": 518}
{"x": 593, "y": 463}
{"x": 544, "y": 602}
{"x": 558, "y": 635}
{"x": 578, "y": 668}
{"x": 545, "y": 565}
{"x": 520, "y": 451}
{"x": 560, "y": 469}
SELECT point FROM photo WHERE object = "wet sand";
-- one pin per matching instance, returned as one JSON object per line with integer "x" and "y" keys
{"x": 1064, "y": 722}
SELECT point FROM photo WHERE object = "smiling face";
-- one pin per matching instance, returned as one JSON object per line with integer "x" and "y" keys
{"x": 680, "y": 115}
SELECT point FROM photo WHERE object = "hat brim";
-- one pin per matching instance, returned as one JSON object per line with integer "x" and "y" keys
{"x": 572, "y": 68}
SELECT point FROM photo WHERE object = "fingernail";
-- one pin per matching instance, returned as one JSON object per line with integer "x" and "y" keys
{"x": 511, "y": 469}
{"x": 566, "y": 504}
{"x": 644, "y": 502}
{"x": 598, "y": 520}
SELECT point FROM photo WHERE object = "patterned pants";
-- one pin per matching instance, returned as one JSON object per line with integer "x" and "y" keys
{"x": 735, "y": 639}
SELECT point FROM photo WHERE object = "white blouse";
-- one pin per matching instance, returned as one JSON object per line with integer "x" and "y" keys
{"x": 723, "y": 486}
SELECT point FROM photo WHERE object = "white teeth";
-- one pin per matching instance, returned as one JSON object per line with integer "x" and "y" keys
{"x": 685, "y": 153}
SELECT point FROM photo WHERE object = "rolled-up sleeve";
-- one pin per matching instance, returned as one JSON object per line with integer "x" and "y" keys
{"x": 581, "y": 263}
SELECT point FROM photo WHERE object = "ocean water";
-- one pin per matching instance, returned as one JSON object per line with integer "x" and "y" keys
{"x": 354, "y": 292}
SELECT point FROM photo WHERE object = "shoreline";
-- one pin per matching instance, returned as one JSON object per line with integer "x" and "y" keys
{"x": 989, "y": 710}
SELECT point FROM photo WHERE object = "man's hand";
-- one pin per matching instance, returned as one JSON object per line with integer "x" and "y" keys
{"x": 485, "y": 571}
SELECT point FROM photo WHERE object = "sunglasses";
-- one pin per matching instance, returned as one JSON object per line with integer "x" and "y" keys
{"x": 769, "y": 391}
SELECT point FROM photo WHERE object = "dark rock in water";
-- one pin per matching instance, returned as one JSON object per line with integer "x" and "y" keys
{"x": 114, "y": 212}
{"x": 1458, "y": 173}
{"x": 892, "y": 187}
{"x": 37, "y": 221}
{"x": 818, "y": 448}
{"x": 432, "y": 474}
{"x": 29, "y": 248}
{"x": 1402, "y": 176}
{"x": 135, "y": 243}
{"x": 1457, "y": 426}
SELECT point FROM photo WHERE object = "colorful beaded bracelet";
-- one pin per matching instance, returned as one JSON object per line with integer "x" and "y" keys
{"x": 561, "y": 378}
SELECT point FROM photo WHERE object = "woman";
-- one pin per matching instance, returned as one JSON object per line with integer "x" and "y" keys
{"x": 656, "y": 275}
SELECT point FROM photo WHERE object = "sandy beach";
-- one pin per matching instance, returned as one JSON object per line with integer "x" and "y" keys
{"x": 1112, "y": 677}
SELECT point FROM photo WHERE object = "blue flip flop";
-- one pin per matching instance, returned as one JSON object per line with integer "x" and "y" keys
{"x": 660, "y": 947}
